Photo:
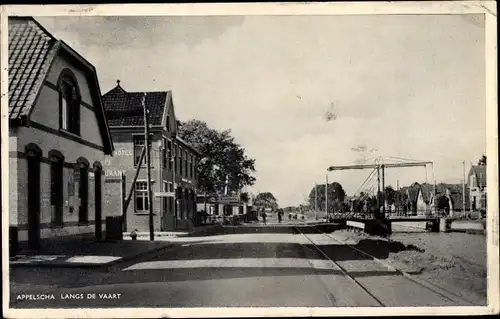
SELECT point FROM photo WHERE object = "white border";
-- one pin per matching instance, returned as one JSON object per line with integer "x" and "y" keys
{"x": 436, "y": 7}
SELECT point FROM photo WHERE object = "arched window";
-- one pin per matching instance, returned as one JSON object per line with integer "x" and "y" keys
{"x": 69, "y": 102}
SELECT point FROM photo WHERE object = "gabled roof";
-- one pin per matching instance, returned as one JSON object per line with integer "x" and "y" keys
{"x": 480, "y": 172}
{"x": 413, "y": 191}
{"x": 32, "y": 50}
{"x": 125, "y": 108}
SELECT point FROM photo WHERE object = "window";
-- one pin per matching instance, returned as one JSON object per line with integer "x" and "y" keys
{"x": 164, "y": 154}
{"x": 179, "y": 160}
{"x": 141, "y": 196}
{"x": 56, "y": 189}
{"x": 168, "y": 123}
{"x": 169, "y": 154}
{"x": 169, "y": 187}
{"x": 169, "y": 201}
{"x": 190, "y": 167}
{"x": 138, "y": 147}
{"x": 69, "y": 99}
{"x": 185, "y": 162}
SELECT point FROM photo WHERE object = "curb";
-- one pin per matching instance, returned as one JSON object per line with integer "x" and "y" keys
{"x": 91, "y": 265}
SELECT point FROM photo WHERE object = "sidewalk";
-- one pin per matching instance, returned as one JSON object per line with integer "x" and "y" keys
{"x": 87, "y": 253}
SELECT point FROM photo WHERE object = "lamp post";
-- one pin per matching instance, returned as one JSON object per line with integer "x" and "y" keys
{"x": 326, "y": 198}
{"x": 148, "y": 165}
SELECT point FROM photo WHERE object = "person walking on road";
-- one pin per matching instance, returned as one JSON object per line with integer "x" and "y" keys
{"x": 264, "y": 217}
{"x": 279, "y": 216}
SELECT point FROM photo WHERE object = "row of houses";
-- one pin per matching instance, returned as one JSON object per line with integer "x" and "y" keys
{"x": 448, "y": 198}
{"x": 73, "y": 151}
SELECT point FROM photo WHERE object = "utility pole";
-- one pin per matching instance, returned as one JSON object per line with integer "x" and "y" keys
{"x": 463, "y": 189}
{"x": 399, "y": 198}
{"x": 435, "y": 199}
{"x": 326, "y": 198}
{"x": 378, "y": 187}
{"x": 383, "y": 190}
{"x": 148, "y": 163}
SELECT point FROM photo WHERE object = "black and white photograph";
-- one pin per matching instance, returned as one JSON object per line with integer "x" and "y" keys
{"x": 319, "y": 159}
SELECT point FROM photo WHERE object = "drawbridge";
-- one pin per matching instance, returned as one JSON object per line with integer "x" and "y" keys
{"x": 372, "y": 187}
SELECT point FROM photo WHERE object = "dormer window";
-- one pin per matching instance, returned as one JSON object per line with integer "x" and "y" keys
{"x": 69, "y": 105}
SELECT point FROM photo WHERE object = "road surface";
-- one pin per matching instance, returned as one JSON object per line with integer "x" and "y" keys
{"x": 249, "y": 266}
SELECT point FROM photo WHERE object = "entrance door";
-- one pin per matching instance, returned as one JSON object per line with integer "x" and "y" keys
{"x": 33, "y": 203}
{"x": 83, "y": 193}
{"x": 98, "y": 204}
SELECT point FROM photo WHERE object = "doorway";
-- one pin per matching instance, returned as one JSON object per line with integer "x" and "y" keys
{"x": 33, "y": 200}
{"x": 83, "y": 193}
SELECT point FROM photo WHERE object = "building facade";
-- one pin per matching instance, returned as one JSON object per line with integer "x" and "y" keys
{"x": 58, "y": 139}
{"x": 173, "y": 162}
{"x": 477, "y": 188}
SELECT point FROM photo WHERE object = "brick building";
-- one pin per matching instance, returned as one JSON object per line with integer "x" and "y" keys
{"x": 173, "y": 162}
{"x": 58, "y": 138}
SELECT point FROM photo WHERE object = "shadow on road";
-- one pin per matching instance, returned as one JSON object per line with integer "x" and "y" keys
{"x": 190, "y": 274}
{"x": 275, "y": 229}
{"x": 203, "y": 251}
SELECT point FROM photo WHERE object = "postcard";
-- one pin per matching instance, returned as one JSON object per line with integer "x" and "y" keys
{"x": 252, "y": 159}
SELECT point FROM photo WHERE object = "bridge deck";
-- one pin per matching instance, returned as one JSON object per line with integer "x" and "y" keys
{"x": 391, "y": 219}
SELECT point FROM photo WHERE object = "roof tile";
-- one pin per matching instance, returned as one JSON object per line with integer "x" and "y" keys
{"x": 125, "y": 108}
{"x": 29, "y": 48}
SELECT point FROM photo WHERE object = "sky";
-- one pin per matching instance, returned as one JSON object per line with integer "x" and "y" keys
{"x": 302, "y": 93}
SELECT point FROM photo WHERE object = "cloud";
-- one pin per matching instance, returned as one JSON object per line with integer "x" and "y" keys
{"x": 123, "y": 32}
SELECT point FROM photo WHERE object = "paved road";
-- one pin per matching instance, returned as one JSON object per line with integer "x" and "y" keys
{"x": 249, "y": 266}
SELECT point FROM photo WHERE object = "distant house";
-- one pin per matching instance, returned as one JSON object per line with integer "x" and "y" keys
{"x": 58, "y": 138}
{"x": 477, "y": 187}
{"x": 426, "y": 198}
{"x": 418, "y": 199}
{"x": 448, "y": 198}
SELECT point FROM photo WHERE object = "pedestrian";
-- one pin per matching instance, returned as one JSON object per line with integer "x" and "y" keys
{"x": 279, "y": 217}
{"x": 133, "y": 234}
{"x": 264, "y": 217}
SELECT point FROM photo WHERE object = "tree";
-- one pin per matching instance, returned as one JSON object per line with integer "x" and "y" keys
{"x": 390, "y": 195}
{"x": 482, "y": 161}
{"x": 336, "y": 197}
{"x": 222, "y": 158}
{"x": 442, "y": 203}
{"x": 266, "y": 200}
{"x": 402, "y": 201}
{"x": 244, "y": 197}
